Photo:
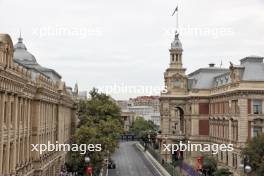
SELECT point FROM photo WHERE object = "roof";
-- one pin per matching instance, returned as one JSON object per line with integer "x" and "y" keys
{"x": 251, "y": 68}
{"x": 25, "y": 58}
{"x": 176, "y": 44}
{"x": 203, "y": 78}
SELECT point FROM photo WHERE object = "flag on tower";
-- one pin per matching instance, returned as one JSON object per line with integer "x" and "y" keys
{"x": 176, "y": 10}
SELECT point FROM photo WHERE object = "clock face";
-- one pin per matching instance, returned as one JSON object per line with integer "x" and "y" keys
{"x": 177, "y": 83}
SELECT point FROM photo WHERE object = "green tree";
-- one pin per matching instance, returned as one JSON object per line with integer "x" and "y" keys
{"x": 100, "y": 107}
{"x": 209, "y": 164}
{"x": 141, "y": 127}
{"x": 222, "y": 172}
{"x": 210, "y": 167}
{"x": 100, "y": 123}
{"x": 255, "y": 154}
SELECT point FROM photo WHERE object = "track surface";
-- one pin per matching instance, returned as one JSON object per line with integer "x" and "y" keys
{"x": 130, "y": 161}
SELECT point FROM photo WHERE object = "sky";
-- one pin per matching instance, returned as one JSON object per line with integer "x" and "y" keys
{"x": 122, "y": 46}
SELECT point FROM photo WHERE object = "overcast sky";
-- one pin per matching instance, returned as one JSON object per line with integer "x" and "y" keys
{"x": 123, "y": 42}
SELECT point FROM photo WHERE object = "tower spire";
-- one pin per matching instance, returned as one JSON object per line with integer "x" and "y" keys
{"x": 20, "y": 39}
{"x": 176, "y": 46}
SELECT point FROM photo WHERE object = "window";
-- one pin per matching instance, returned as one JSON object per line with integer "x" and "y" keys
{"x": 234, "y": 107}
{"x": 234, "y": 160}
{"x": 5, "y": 112}
{"x": 257, "y": 106}
{"x": 257, "y": 131}
{"x": 177, "y": 83}
{"x": 227, "y": 157}
{"x": 234, "y": 130}
{"x": 12, "y": 112}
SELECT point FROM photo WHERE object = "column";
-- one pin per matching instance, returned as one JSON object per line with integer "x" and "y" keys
{"x": 14, "y": 146}
{"x": 2, "y": 103}
{"x": 18, "y": 131}
{"x": 8, "y": 119}
{"x": 28, "y": 131}
{"x": 243, "y": 121}
{"x": 23, "y": 127}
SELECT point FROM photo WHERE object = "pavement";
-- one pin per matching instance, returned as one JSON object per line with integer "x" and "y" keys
{"x": 131, "y": 161}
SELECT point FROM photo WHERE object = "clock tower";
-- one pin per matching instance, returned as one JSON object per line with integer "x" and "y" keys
{"x": 175, "y": 78}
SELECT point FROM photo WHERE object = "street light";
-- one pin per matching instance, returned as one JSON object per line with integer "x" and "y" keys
{"x": 248, "y": 169}
{"x": 245, "y": 165}
{"x": 87, "y": 159}
{"x": 89, "y": 169}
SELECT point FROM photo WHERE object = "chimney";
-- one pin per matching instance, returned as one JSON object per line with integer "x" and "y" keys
{"x": 211, "y": 65}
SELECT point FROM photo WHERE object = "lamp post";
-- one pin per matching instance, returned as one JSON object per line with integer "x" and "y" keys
{"x": 245, "y": 166}
{"x": 87, "y": 159}
{"x": 89, "y": 169}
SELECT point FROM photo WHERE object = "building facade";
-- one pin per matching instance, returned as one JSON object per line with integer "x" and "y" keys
{"x": 152, "y": 101}
{"x": 35, "y": 107}
{"x": 147, "y": 107}
{"x": 212, "y": 105}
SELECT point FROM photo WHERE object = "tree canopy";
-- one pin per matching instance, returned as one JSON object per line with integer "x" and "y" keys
{"x": 100, "y": 123}
{"x": 142, "y": 127}
{"x": 210, "y": 167}
{"x": 255, "y": 154}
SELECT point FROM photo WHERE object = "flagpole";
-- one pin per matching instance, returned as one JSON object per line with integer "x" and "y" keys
{"x": 177, "y": 20}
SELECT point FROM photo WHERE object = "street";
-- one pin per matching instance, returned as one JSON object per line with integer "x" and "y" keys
{"x": 130, "y": 161}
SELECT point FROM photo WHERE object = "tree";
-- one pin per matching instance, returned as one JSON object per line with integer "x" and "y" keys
{"x": 100, "y": 107}
{"x": 222, "y": 172}
{"x": 100, "y": 123}
{"x": 209, "y": 165}
{"x": 142, "y": 128}
{"x": 255, "y": 154}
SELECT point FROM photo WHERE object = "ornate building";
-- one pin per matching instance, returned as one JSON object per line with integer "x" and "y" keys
{"x": 35, "y": 107}
{"x": 212, "y": 105}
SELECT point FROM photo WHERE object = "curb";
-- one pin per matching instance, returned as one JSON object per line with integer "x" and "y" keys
{"x": 153, "y": 161}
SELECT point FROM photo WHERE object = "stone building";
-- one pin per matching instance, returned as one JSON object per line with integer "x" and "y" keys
{"x": 35, "y": 107}
{"x": 127, "y": 116}
{"x": 147, "y": 107}
{"x": 212, "y": 105}
{"x": 152, "y": 101}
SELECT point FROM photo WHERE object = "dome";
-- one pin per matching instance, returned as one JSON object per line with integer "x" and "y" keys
{"x": 176, "y": 44}
{"x": 22, "y": 54}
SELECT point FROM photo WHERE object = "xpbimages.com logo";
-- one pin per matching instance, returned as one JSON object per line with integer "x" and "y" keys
{"x": 82, "y": 148}
{"x": 214, "y": 148}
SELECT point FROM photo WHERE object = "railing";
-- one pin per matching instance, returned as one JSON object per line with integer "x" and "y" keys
{"x": 175, "y": 168}
{"x": 169, "y": 167}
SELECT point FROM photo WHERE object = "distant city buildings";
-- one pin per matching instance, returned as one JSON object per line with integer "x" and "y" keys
{"x": 147, "y": 107}
{"x": 83, "y": 95}
{"x": 142, "y": 111}
{"x": 143, "y": 106}
{"x": 152, "y": 101}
